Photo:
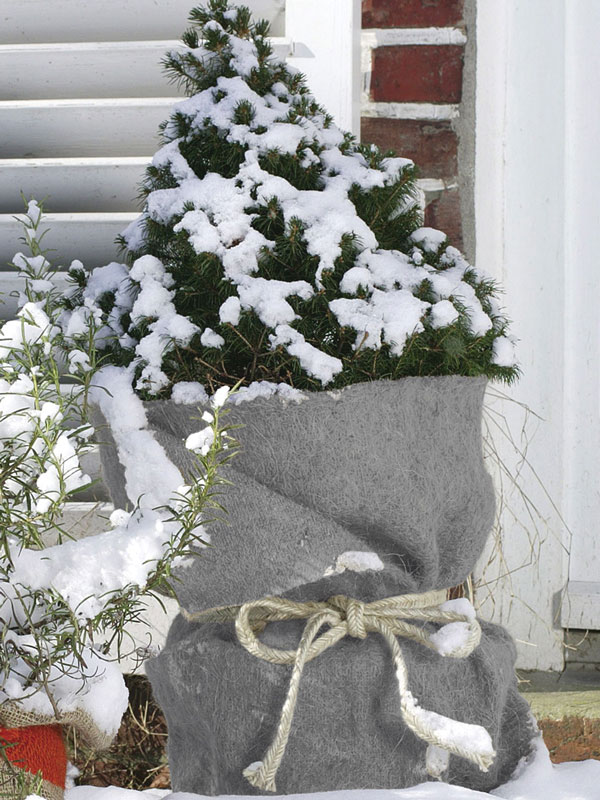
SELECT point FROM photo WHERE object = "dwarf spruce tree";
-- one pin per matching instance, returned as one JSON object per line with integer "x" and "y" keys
{"x": 273, "y": 246}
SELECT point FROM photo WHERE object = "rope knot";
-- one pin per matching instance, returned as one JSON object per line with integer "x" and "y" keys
{"x": 352, "y": 612}
{"x": 343, "y": 616}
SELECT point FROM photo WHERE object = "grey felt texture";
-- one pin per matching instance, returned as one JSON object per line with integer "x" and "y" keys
{"x": 222, "y": 707}
{"x": 394, "y": 467}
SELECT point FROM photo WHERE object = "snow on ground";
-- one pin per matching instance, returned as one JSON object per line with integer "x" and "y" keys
{"x": 538, "y": 780}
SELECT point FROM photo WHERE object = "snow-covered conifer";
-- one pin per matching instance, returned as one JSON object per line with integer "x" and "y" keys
{"x": 273, "y": 246}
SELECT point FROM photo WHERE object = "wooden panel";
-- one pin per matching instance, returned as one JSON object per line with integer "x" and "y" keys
{"x": 87, "y": 237}
{"x": 90, "y": 69}
{"x": 581, "y": 605}
{"x": 61, "y": 128}
{"x": 581, "y": 382}
{"x": 109, "y": 184}
{"x": 10, "y": 284}
{"x": 328, "y": 53}
{"x": 25, "y": 21}
{"x": 69, "y": 184}
{"x": 516, "y": 141}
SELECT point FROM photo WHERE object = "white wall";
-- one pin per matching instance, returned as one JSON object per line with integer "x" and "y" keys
{"x": 520, "y": 231}
{"x": 538, "y": 232}
{"x": 582, "y": 327}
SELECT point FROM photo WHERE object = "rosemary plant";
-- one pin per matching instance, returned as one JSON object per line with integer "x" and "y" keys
{"x": 50, "y": 639}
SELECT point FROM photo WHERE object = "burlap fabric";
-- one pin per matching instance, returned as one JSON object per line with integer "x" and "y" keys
{"x": 12, "y": 716}
{"x": 223, "y": 707}
{"x": 11, "y": 788}
{"x": 393, "y": 469}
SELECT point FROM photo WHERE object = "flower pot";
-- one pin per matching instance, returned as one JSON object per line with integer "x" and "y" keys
{"x": 373, "y": 491}
{"x": 34, "y": 750}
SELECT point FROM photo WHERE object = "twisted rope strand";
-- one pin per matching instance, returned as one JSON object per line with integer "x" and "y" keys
{"x": 347, "y": 616}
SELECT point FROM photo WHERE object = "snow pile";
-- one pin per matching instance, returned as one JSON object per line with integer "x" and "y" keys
{"x": 44, "y": 452}
{"x": 32, "y": 327}
{"x": 256, "y": 389}
{"x": 49, "y": 460}
{"x": 97, "y": 689}
{"x": 453, "y": 636}
{"x": 85, "y": 571}
{"x": 451, "y": 733}
{"x": 355, "y": 561}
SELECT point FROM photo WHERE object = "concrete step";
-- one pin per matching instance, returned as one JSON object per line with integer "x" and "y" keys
{"x": 575, "y": 692}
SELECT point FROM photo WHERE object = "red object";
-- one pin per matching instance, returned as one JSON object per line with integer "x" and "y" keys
{"x": 411, "y": 13}
{"x": 417, "y": 73}
{"x": 444, "y": 214}
{"x": 37, "y": 748}
{"x": 432, "y": 145}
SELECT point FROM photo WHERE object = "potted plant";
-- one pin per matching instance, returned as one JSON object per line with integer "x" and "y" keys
{"x": 64, "y": 602}
{"x": 276, "y": 252}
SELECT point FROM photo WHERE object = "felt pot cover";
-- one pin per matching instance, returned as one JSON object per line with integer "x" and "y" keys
{"x": 392, "y": 471}
{"x": 391, "y": 468}
{"x": 223, "y": 705}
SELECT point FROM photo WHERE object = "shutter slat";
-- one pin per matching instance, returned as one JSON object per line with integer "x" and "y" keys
{"x": 88, "y": 237}
{"x": 26, "y": 21}
{"x": 91, "y": 69}
{"x": 98, "y": 127}
{"x": 111, "y": 184}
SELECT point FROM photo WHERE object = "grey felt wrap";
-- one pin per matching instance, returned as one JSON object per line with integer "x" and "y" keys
{"x": 222, "y": 707}
{"x": 393, "y": 468}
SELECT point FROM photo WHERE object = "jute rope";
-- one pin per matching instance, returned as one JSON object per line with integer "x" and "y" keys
{"x": 345, "y": 616}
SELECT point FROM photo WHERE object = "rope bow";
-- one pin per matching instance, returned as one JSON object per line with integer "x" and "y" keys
{"x": 343, "y": 617}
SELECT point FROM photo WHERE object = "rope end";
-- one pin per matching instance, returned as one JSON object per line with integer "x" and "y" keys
{"x": 485, "y": 761}
{"x": 255, "y": 775}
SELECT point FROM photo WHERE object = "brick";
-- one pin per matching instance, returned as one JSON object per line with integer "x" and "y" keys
{"x": 572, "y": 738}
{"x": 411, "y": 13}
{"x": 443, "y": 213}
{"x": 431, "y": 145}
{"x": 417, "y": 74}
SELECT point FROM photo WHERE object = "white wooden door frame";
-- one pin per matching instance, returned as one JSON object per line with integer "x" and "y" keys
{"x": 581, "y": 608}
{"x": 325, "y": 35}
{"x": 537, "y": 233}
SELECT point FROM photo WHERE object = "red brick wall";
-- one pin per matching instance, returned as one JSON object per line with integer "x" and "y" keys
{"x": 414, "y": 92}
{"x": 411, "y": 13}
